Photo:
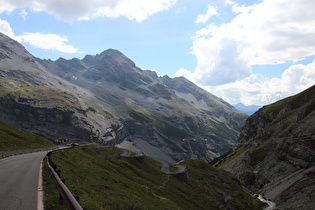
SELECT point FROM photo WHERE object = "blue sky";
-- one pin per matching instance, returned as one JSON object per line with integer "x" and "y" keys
{"x": 246, "y": 51}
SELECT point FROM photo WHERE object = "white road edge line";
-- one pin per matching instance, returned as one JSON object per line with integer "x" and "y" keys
{"x": 40, "y": 195}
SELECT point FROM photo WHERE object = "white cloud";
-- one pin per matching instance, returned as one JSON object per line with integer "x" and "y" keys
{"x": 184, "y": 73}
{"x": 239, "y": 9}
{"x": 260, "y": 90}
{"x": 6, "y": 6}
{"x": 269, "y": 32}
{"x": 6, "y": 29}
{"x": 229, "y": 2}
{"x": 43, "y": 41}
{"x": 48, "y": 42}
{"x": 203, "y": 18}
{"x": 272, "y": 31}
{"x": 300, "y": 76}
{"x": 23, "y": 14}
{"x": 71, "y": 10}
{"x": 219, "y": 61}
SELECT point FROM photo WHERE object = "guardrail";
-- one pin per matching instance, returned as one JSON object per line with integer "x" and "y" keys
{"x": 65, "y": 193}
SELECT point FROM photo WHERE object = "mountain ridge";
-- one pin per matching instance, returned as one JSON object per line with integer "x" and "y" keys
{"x": 144, "y": 84}
{"x": 117, "y": 102}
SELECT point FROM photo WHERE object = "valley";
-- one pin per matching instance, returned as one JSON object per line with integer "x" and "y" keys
{"x": 275, "y": 152}
{"x": 116, "y": 110}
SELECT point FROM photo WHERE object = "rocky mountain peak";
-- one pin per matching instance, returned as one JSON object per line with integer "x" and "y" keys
{"x": 113, "y": 60}
{"x": 108, "y": 58}
{"x": 115, "y": 55}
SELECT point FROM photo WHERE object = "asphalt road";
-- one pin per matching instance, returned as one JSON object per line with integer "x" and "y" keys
{"x": 19, "y": 177}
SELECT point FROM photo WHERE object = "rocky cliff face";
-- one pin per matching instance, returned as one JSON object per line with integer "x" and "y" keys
{"x": 276, "y": 152}
{"x": 107, "y": 99}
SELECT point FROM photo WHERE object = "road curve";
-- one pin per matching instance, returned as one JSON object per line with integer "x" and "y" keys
{"x": 19, "y": 177}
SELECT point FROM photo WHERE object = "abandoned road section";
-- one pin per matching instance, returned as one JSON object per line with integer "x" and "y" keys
{"x": 19, "y": 177}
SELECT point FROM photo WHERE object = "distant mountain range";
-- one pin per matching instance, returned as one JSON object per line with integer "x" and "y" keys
{"x": 249, "y": 110}
{"x": 108, "y": 100}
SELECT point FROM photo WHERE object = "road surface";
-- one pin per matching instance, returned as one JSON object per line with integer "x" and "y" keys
{"x": 19, "y": 177}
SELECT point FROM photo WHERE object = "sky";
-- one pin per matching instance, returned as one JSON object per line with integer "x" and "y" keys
{"x": 249, "y": 51}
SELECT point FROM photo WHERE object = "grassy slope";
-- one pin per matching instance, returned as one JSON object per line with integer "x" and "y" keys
{"x": 105, "y": 181}
{"x": 12, "y": 138}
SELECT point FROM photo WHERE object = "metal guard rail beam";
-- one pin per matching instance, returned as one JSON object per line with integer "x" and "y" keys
{"x": 65, "y": 193}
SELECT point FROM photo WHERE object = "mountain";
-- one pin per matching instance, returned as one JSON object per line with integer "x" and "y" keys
{"x": 34, "y": 100}
{"x": 249, "y": 110}
{"x": 107, "y": 99}
{"x": 161, "y": 114}
{"x": 275, "y": 156}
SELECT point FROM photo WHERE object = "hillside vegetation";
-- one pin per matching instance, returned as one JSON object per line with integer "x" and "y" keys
{"x": 104, "y": 180}
{"x": 12, "y": 138}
